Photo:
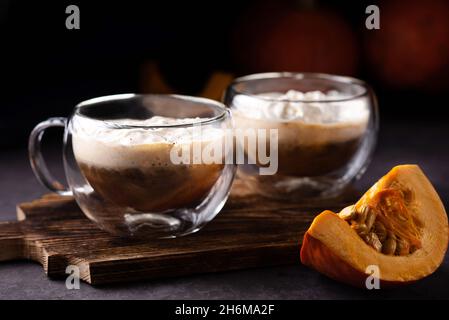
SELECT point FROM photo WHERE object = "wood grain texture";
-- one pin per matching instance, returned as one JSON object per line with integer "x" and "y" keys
{"x": 249, "y": 232}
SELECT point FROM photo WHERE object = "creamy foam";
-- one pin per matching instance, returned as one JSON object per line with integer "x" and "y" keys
{"x": 309, "y": 107}
{"x": 301, "y": 122}
{"x": 111, "y": 145}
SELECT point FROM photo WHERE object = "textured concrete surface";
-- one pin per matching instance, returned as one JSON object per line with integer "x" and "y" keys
{"x": 423, "y": 144}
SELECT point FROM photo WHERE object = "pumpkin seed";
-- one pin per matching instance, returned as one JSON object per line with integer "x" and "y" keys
{"x": 370, "y": 218}
{"x": 373, "y": 240}
{"x": 402, "y": 247}
{"x": 348, "y": 213}
{"x": 382, "y": 240}
{"x": 390, "y": 234}
{"x": 362, "y": 213}
{"x": 389, "y": 246}
{"x": 380, "y": 230}
{"x": 360, "y": 228}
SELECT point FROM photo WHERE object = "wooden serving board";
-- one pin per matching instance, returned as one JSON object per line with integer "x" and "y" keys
{"x": 249, "y": 232}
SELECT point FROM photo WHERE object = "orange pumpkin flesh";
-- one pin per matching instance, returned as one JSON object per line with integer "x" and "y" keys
{"x": 333, "y": 248}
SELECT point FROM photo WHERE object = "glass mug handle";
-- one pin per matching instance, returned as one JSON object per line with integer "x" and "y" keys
{"x": 37, "y": 161}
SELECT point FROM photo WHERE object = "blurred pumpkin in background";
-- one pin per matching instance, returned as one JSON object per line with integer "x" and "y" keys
{"x": 411, "y": 48}
{"x": 153, "y": 80}
{"x": 294, "y": 36}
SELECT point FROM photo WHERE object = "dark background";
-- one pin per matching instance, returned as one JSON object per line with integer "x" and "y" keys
{"x": 46, "y": 69}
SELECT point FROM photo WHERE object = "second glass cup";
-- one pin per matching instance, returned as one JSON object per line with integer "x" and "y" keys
{"x": 323, "y": 131}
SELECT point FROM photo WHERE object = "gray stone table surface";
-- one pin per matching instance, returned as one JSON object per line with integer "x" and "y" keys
{"x": 424, "y": 144}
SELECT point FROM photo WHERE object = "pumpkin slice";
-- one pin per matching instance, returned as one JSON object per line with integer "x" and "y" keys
{"x": 399, "y": 225}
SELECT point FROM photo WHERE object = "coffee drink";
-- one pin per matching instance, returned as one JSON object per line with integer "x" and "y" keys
{"x": 313, "y": 139}
{"x": 132, "y": 167}
{"x": 143, "y": 166}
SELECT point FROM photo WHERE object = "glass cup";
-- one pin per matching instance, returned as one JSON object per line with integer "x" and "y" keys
{"x": 325, "y": 129}
{"x": 132, "y": 162}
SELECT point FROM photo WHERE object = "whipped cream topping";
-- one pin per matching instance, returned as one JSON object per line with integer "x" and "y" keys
{"x": 118, "y": 146}
{"x": 309, "y": 107}
{"x": 118, "y": 134}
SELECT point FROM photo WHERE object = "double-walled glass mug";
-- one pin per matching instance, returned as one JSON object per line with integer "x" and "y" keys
{"x": 134, "y": 164}
{"x": 325, "y": 129}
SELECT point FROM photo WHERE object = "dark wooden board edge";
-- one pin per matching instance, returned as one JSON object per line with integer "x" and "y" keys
{"x": 99, "y": 272}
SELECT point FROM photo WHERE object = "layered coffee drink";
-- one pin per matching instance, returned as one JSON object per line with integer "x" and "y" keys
{"x": 314, "y": 139}
{"x": 144, "y": 166}
{"x": 318, "y": 136}
{"x": 132, "y": 167}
